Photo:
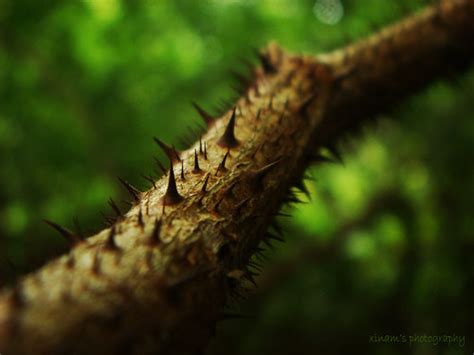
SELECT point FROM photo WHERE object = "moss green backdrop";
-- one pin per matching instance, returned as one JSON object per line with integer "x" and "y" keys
{"x": 383, "y": 247}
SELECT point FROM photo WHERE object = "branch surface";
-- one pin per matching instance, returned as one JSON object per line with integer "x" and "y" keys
{"x": 158, "y": 278}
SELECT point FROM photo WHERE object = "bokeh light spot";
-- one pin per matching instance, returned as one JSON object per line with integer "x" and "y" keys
{"x": 329, "y": 12}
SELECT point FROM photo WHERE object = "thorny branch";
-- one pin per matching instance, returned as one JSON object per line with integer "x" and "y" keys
{"x": 157, "y": 279}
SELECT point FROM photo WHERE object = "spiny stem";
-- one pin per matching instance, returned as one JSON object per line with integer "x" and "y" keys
{"x": 156, "y": 281}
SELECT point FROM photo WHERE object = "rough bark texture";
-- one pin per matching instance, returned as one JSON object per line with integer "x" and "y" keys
{"x": 156, "y": 281}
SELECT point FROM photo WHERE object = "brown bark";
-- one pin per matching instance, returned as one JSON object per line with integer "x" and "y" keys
{"x": 156, "y": 281}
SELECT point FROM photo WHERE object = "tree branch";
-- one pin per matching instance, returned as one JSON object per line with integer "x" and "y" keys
{"x": 156, "y": 280}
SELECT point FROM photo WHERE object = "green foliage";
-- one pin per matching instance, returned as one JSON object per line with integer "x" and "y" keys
{"x": 86, "y": 84}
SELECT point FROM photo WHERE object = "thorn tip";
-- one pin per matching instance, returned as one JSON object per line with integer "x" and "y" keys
{"x": 131, "y": 190}
{"x": 66, "y": 233}
{"x": 228, "y": 139}
{"x": 208, "y": 119}
{"x": 171, "y": 196}
{"x": 170, "y": 151}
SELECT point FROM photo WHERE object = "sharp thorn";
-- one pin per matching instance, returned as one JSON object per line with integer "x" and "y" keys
{"x": 243, "y": 81}
{"x": 255, "y": 265}
{"x": 274, "y": 237}
{"x": 182, "y": 170}
{"x": 230, "y": 189}
{"x": 170, "y": 152}
{"x": 204, "y": 186}
{"x": 319, "y": 158}
{"x": 128, "y": 203}
{"x": 150, "y": 180}
{"x": 251, "y": 279}
{"x": 140, "y": 221}
{"x": 196, "y": 169}
{"x": 115, "y": 208}
{"x": 241, "y": 205}
{"x": 260, "y": 174}
{"x": 208, "y": 119}
{"x": 221, "y": 167}
{"x": 162, "y": 168}
{"x": 267, "y": 65}
{"x": 131, "y": 190}
{"x": 228, "y": 139}
{"x": 77, "y": 227}
{"x": 291, "y": 198}
{"x": 171, "y": 196}
{"x": 108, "y": 221}
{"x": 268, "y": 244}
{"x": 281, "y": 214}
{"x": 216, "y": 207}
{"x": 67, "y": 234}
{"x": 277, "y": 228}
{"x": 335, "y": 152}
{"x": 302, "y": 187}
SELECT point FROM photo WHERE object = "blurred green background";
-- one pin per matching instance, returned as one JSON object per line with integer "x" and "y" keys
{"x": 385, "y": 245}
